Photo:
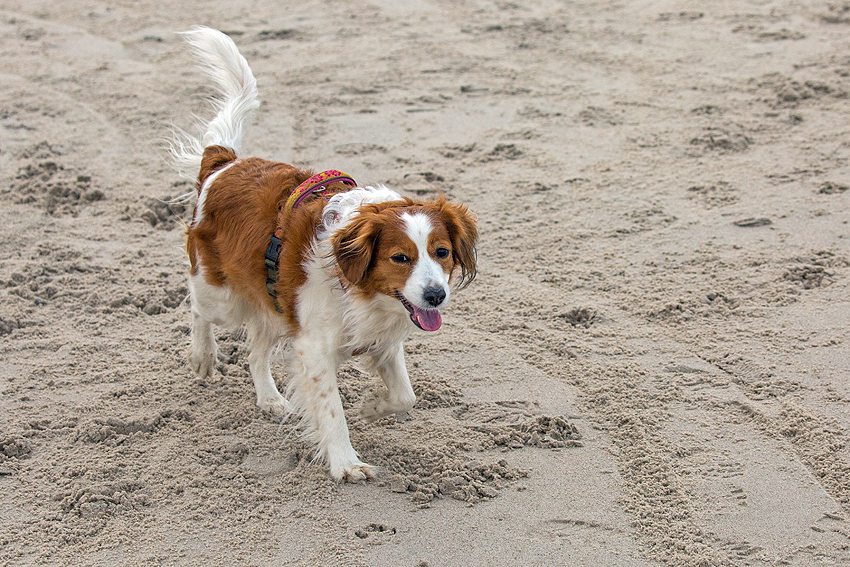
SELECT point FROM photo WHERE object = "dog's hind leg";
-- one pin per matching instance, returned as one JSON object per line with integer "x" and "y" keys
{"x": 202, "y": 355}
{"x": 261, "y": 343}
{"x": 203, "y": 352}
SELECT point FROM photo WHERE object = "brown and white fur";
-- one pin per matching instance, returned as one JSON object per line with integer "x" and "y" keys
{"x": 358, "y": 272}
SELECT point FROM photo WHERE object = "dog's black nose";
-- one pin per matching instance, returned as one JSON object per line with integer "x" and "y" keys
{"x": 434, "y": 295}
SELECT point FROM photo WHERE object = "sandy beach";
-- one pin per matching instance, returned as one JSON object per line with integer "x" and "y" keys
{"x": 651, "y": 367}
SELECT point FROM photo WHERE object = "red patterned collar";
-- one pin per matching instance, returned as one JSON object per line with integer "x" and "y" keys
{"x": 316, "y": 184}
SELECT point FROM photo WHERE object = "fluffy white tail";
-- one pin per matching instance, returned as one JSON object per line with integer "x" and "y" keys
{"x": 221, "y": 61}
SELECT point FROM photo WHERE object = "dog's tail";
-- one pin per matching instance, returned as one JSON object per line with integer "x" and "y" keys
{"x": 221, "y": 61}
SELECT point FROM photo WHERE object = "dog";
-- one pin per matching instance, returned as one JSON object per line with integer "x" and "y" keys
{"x": 335, "y": 269}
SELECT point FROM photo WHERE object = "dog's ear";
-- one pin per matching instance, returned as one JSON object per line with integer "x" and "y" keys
{"x": 463, "y": 232}
{"x": 354, "y": 245}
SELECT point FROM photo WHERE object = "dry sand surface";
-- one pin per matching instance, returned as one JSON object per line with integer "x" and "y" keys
{"x": 651, "y": 367}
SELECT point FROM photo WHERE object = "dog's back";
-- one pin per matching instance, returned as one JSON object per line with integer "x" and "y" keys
{"x": 238, "y": 207}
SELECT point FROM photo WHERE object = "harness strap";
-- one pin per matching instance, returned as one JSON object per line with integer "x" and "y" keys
{"x": 314, "y": 185}
{"x": 273, "y": 265}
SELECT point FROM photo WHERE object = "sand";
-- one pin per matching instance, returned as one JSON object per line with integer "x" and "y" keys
{"x": 650, "y": 369}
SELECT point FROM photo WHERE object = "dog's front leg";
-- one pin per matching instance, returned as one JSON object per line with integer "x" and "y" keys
{"x": 314, "y": 392}
{"x": 399, "y": 396}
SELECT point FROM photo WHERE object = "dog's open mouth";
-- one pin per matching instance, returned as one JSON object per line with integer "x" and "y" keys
{"x": 425, "y": 319}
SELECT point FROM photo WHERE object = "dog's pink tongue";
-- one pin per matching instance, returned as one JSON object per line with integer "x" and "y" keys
{"x": 428, "y": 319}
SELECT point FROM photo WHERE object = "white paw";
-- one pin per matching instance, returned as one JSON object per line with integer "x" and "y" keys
{"x": 375, "y": 406}
{"x": 276, "y": 405}
{"x": 353, "y": 472}
{"x": 202, "y": 364}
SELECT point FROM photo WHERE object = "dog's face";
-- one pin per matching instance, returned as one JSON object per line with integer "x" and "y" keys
{"x": 411, "y": 252}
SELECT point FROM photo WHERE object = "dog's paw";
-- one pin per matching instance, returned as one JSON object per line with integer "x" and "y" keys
{"x": 353, "y": 472}
{"x": 276, "y": 405}
{"x": 375, "y": 406}
{"x": 202, "y": 364}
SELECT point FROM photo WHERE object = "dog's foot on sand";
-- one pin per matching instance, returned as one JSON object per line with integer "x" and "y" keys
{"x": 278, "y": 405}
{"x": 353, "y": 472}
{"x": 202, "y": 364}
{"x": 377, "y": 405}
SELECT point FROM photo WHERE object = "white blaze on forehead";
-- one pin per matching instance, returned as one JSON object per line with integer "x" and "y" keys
{"x": 426, "y": 272}
{"x": 418, "y": 228}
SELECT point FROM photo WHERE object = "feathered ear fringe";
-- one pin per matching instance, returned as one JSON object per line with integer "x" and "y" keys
{"x": 463, "y": 231}
{"x": 354, "y": 245}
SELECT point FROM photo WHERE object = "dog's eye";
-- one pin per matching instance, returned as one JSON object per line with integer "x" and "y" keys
{"x": 400, "y": 259}
{"x": 442, "y": 253}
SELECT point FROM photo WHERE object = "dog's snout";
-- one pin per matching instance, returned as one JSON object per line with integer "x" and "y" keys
{"x": 434, "y": 295}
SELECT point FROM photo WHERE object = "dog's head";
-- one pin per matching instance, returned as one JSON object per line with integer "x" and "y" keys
{"x": 409, "y": 251}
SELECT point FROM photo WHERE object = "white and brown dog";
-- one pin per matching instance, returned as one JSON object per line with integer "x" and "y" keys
{"x": 338, "y": 270}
